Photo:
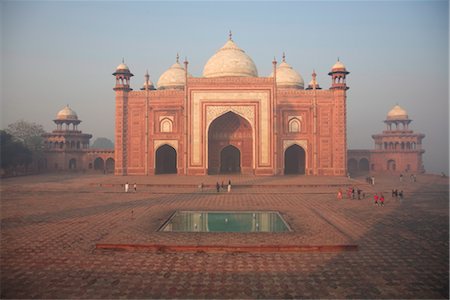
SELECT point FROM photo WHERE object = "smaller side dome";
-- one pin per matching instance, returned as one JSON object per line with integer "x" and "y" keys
{"x": 150, "y": 85}
{"x": 397, "y": 113}
{"x": 311, "y": 85}
{"x": 287, "y": 77}
{"x": 67, "y": 114}
{"x": 173, "y": 78}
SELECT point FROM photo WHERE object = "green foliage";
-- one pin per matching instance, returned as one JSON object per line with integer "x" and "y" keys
{"x": 102, "y": 143}
{"x": 30, "y": 134}
{"x": 13, "y": 153}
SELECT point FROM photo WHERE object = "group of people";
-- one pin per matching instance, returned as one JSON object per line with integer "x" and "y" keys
{"x": 352, "y": 193}
{"x": 223, "y": 187}
{"x": 356, "y": 193}
{"x": 397, "y": 194}
{"x": 370, "y": 180}
{"x": 127, "y": 187}
{"x": 412, "y": 177}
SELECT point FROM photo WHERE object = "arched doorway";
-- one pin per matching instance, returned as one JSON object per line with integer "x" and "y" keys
{"x": 363, "y": 165}
{"x": 230, "y": 160}
{"x": 166, "y": 160}
{"x": 391, "y": 165}
{"x": 99, "y": 164}
{"x": 352, "y": 165}
{"x": 110, "y": 164}
{"x": 294, "y": 160}
{"x": 225, "y": 131}
{"x": 73, "y": 164}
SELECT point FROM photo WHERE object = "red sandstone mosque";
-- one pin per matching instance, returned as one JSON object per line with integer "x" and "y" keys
{"x": 231, "y": 120}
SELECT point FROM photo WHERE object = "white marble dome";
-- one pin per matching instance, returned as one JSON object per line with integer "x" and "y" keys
{"x": 67, "y": 114}
{"x": 230, "y": 60}
{"x": 338, "y": 65}
{"x": 122, "y": 67}
{"x": 397, "y": 113}
{"x": 287, "y": 77}
{"x": 173, "y": 78}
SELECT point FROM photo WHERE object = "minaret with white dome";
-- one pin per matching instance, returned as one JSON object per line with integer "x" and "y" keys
{"x": 338, "y": 74}
{"x": 123, "y": 76}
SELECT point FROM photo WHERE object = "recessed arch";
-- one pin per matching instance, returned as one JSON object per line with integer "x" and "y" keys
{"x": 230, "y": 160}
{"x": 363, "y": 165}
{"x": 99, "y": 164}
{"x": 166, "y": 125}
{"x": 391, "y": 166}
{"x": 73, "y": 164}
{"x": 294, "y": 125}
{"x": 352, "y": 165}
{"x": 294, "y": 160}
{"x": 226, "y": 130}
{"x": 109, "y": 165}
{"x": 166, "y": 160}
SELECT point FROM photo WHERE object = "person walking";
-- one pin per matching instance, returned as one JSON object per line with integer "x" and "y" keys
{"x": 217, "y": 186}
{"x": 339, "y": 194}
{"x": 375, "y": 198}
{"x": 359, "y": 194}
{"x": 135, "y": 187}
{"x": 126, "y": 187}
{"x": 229, "y": 187}
{"x": 400, "y": 194}
{"x": 382, "y": 199}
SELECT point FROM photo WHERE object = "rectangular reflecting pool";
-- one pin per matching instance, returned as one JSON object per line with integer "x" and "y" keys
{"x": 225, "y": 221}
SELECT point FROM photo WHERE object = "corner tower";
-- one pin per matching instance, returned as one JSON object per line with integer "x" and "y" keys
{"x": 398, "y": 149}
{"x": 122, "y": 88}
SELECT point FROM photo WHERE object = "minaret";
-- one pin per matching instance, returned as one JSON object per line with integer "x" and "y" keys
{"x": 123, "y": 76}
{"x": 122, "y": 88}
{"x": 338, "y": 73}
{"x": 313, "y": 83}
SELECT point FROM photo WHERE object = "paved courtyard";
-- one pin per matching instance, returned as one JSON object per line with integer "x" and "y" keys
{"x": 51, "y": 225}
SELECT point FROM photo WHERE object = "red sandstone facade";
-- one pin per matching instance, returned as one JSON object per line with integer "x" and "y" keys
{"x": 397, "y": 149}
{"x": 67, "y": 149}
{"x": 231, "y": 121}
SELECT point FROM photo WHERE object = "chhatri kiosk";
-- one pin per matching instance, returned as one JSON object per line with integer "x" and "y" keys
{"x": 230, "y": 120}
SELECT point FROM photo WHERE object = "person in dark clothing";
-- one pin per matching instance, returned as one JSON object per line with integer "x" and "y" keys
{"x": 217, "y": 187}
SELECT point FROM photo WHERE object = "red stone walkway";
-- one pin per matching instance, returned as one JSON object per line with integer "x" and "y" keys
{"x": 51, "y": 224}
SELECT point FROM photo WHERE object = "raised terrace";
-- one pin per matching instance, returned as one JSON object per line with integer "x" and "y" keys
{"x": 71, "y": 236}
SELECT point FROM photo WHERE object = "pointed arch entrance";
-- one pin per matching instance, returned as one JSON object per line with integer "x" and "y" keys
{"x": 230, "y": 145}
{"x": 391, "y": 165}
{"x": 230, "y": 160}
{"x": 294, "y": 160}
{"x": 166, "y": 160}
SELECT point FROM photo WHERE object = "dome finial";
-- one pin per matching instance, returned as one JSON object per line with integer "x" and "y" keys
{"x": 178, "y": 58}
{"x": 230, "y": 36}
{"x": 123, "y": 60}
{"x": 338, "y": 58}
{"x": 284, "y": 57}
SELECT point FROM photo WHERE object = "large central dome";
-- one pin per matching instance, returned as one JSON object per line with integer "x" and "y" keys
{"x": 230, "y": 60}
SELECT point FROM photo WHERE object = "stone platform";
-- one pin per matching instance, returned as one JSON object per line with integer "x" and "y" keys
{"x": 50, "y": 226}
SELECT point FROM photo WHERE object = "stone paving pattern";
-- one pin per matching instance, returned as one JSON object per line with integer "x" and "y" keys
{"x": 50, "y": 225}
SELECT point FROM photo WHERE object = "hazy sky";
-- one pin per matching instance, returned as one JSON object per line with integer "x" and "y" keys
{"x": 56, "y": 53}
